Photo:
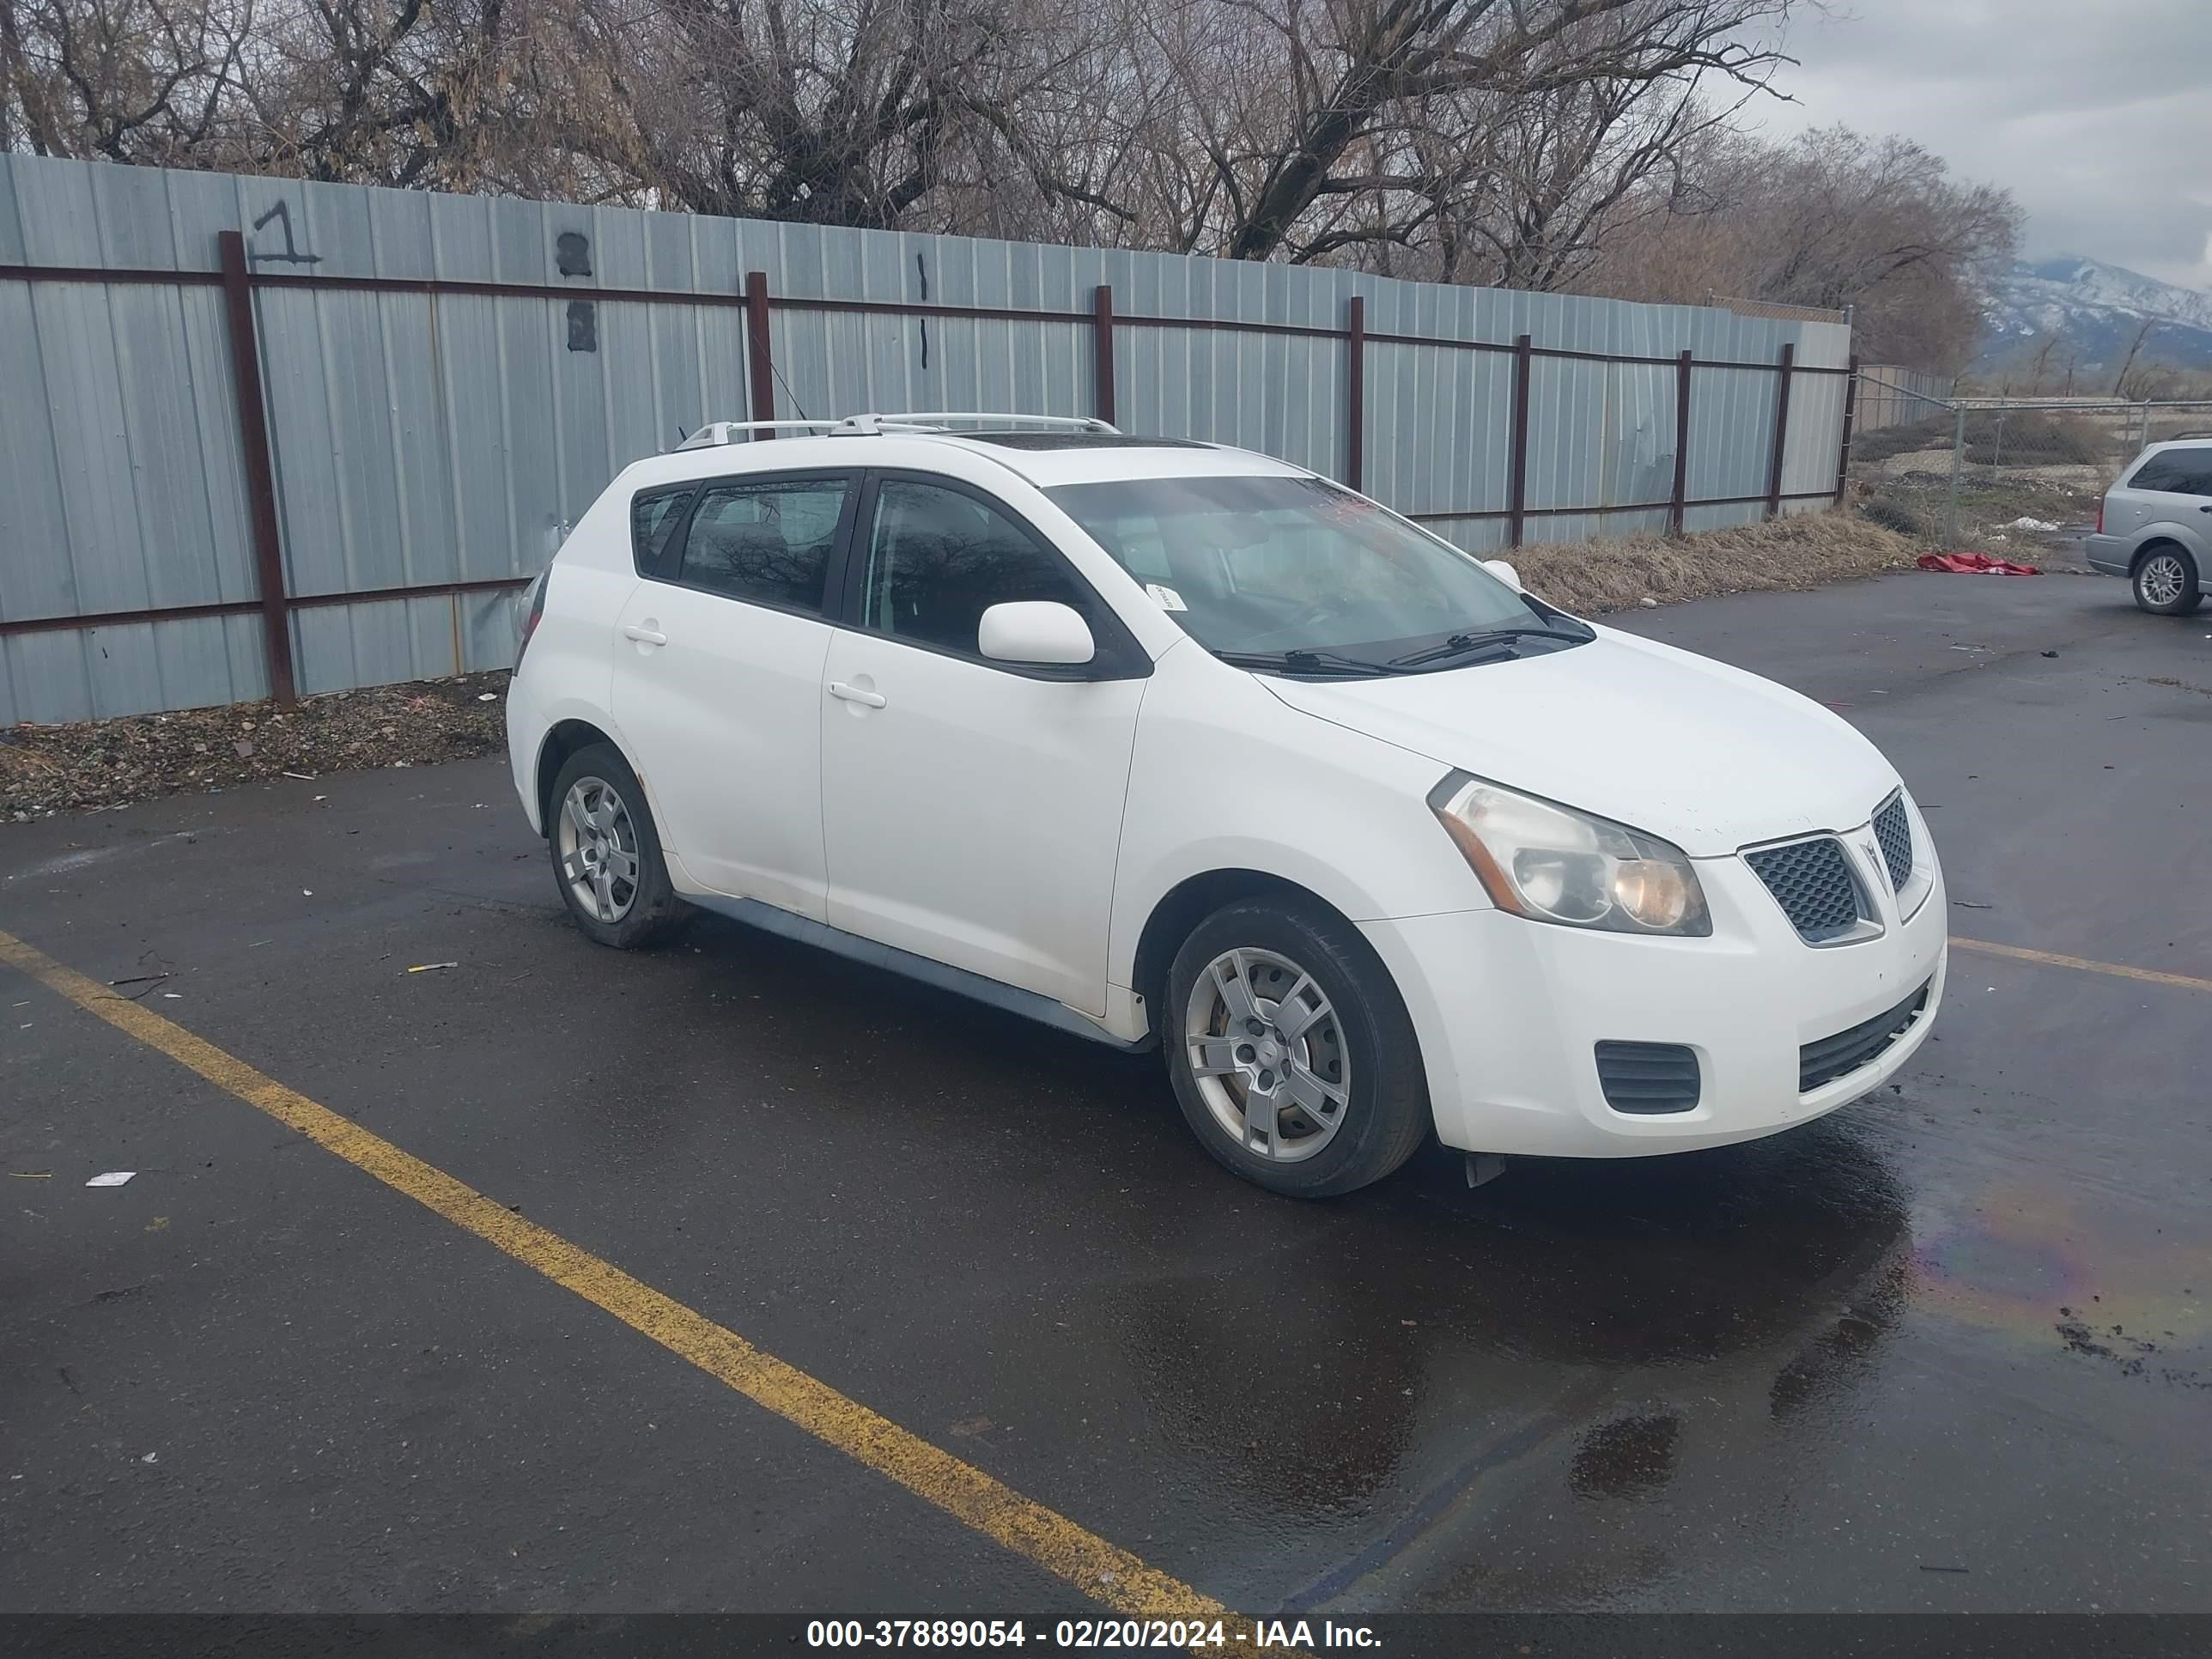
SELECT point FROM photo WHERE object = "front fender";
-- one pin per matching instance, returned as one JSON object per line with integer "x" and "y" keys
{"x": 1226, "y": 776}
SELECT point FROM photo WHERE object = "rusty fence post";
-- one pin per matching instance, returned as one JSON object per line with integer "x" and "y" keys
{"x": 260, "y": 470}
{"x": 1850, "y": 412}
{"x": 1102, "y": 349}
{"x": 1781, "y": 431}
{"x": 760, "y": 371}
{"x": 1682, "y": 367}
{"x": 1355, "y": 393}
{"x": 1523, "y": 359}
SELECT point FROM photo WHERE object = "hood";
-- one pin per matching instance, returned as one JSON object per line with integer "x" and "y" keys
{"x": 1664, "y": 741}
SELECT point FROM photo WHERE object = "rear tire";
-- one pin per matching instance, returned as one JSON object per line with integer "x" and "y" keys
{"x": 2167, "y": 582}
{"x": 1290, "y": 1051}
{"x": 606, "y": 851}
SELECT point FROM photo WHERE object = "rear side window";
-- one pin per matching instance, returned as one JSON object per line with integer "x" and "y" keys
{"x": 653, "y": 516}
{"x": 767, "y": 542}
{"x": 2176, "y": 472}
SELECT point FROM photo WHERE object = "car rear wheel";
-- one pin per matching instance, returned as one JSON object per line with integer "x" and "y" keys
{"x": 1290, "y": 1051}
{"x": 606, "y": 853}
{"x": 2165, "y": 582}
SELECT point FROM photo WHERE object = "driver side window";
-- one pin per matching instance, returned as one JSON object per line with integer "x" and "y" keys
{"x": 938, "y": 559}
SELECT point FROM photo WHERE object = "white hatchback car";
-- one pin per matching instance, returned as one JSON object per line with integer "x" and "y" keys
{"x": 1163, "y": 742}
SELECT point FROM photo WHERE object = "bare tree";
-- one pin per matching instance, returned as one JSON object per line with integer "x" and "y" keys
{"x": 1338, "y": 130}
{"x": 2123, "y": 385}
{"x": 117, "y": 80}
{"x": 1832, "y": 219}
{"x": 2042, "y": 361}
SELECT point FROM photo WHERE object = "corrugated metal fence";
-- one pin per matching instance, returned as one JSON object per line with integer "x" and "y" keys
{"x": 257, "y": 434}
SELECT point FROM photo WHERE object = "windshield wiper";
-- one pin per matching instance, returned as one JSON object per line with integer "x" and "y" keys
{"x": 1307, "y": 662}
{"x": 1498, "y": 640}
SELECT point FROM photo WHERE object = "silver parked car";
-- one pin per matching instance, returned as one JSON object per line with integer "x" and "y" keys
{"x": 2154, "y": 525}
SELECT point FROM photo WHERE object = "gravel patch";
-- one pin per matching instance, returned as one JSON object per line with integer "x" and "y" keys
{"x": 44, "y": 770}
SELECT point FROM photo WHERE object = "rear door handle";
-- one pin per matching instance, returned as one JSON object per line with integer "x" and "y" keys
{"x": 854, "y": 693}
{"x": 644, "y": 635}
{"x": 2207, "y": 508}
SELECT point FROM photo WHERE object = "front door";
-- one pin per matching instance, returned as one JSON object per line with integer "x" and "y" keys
{"x": 718, "y": 657}
{"x": 972, "y": 810}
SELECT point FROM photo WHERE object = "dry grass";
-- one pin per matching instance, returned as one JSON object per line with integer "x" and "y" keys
{"x": 1809, "y": 551}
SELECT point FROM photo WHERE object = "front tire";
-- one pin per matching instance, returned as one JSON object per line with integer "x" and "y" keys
{"x": 2167, "y": 583}
{"x": 1290, "y": 1051}
{"x": 606, "y": 852}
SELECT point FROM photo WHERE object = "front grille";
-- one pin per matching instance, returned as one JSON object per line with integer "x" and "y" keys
{"x": 1895, "y": 831}
{"x": 1647, "y": 1079}
{"x": 1836, "y": 1056}
{"x": 1812, "y": 885}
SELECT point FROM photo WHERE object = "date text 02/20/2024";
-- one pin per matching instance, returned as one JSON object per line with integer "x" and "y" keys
{"x": 1085, "y": 1633}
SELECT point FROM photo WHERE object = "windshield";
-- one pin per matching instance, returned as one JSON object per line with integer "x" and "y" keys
{"x": 1301, "y": 570}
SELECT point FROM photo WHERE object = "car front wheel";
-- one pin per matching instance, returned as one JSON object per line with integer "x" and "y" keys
{"x": 1290, "y": 1051}
{"x": 2166, "y": 582}
{"x": 606, "y": 853}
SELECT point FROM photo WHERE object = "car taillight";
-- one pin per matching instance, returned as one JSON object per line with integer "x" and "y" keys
{"x": 535, "y": 614}
{"x": 2100, "y": 515}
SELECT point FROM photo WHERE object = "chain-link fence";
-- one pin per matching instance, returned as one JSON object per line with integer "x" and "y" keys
{"x": 1889, "y": 395}
{"x": 1963, "y": 472}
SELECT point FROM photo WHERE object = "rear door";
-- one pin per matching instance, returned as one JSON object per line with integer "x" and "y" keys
{"x": 973, "y": 808}
{"x": 718, "y": 657}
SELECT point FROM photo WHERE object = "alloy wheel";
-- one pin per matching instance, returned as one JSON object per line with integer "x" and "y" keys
{"x": 1268, "y": 1054}
{"x": 2162, "y": 579}
{"x": 598, "y": 850}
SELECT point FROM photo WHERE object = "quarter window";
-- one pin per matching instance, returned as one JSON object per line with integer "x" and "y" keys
{"x": 653, "y": 515}
{"x": 2176, "y": 472}
{"x": 769, "y": 542}
{"x": 938, "y": 559}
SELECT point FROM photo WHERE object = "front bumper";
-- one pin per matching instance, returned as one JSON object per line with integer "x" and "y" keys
{"x": 1510, "y": 1013}
{"x": 2106, "y": 553}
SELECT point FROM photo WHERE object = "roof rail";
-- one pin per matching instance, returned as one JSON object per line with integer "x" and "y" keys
{"x": 2176, "y": 437}
{"x": 936, "y": 421}
{"x": 716, "y": 433}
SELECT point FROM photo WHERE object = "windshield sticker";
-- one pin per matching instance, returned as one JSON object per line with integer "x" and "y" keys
{"x": 1166, "y": 597}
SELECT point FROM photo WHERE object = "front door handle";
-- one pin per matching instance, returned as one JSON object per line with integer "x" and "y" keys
{"x": 644, "y": 635}
{"x": 854, "y": 693}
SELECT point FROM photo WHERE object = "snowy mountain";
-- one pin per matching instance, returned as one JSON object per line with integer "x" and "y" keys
{"x": 2093, "y": 309}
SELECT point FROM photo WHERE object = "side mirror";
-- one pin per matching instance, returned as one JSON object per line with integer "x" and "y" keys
{"x": 1035, "y": 631}
{"x": 1504, "y": 572}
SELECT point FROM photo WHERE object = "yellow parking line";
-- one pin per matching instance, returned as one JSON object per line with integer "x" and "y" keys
{"x": 2051, "y": 959}
{"x": 1103, "y": 1571}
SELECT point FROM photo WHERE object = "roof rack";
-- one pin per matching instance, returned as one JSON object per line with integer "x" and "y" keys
{"x": 716, "y": 433}
{"x": 935, "y": 421}
{"x": 2176, "y": 437}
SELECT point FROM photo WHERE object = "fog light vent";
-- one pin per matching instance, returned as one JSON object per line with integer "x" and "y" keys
{"x": 1647, "y": 1079}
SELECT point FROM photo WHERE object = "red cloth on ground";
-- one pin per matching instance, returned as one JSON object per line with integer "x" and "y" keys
{"x": 1975, "y": 564}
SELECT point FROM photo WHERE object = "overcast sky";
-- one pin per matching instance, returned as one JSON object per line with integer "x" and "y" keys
{"x": 2096, "y": 114}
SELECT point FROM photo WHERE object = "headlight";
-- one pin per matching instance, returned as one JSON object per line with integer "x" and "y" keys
{"x": 1551, "y": 863}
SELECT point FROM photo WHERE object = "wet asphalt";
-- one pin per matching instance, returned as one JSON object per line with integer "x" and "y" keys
{"x": 1945, "y": 1350}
